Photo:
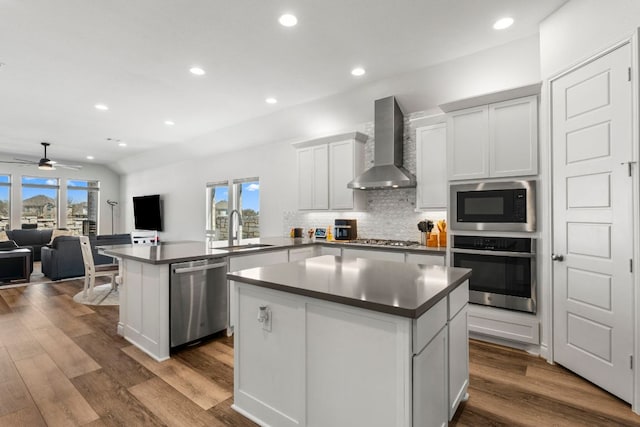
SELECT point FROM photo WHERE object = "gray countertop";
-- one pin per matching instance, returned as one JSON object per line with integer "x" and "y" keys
{"x": 170, "y": 252}
{"x": 406, "y": 290}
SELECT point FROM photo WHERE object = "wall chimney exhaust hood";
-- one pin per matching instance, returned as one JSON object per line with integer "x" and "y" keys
{"x": 387, "y": 170}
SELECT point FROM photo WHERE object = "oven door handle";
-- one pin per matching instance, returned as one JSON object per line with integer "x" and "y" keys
{"x": 494, "y": 253}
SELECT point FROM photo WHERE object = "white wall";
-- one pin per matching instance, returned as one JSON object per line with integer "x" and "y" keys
{"x": 109, "y": 188}
{"x": 182, "y": 188}
{"x": 507, "y": 66}
{"x": 582, "y": 28}
{"x": 182, "y": 182}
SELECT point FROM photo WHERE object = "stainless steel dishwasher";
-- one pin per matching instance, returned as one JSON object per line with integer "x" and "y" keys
{"x": 198, "y": 304}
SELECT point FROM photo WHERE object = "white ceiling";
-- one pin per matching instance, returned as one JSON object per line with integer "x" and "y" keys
{"x": 62, "y": 57}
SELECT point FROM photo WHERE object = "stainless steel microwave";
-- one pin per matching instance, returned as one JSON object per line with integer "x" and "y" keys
{"x": 494, "y": 206}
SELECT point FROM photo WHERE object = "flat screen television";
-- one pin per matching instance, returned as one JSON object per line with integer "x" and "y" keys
{"x": 147, "y": 212}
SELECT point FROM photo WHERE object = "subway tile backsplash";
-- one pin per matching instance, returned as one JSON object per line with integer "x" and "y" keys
{"x": 390, "y": 213}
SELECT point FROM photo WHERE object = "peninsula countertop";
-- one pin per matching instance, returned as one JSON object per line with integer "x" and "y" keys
{"x": 406, "y": 290}
{"x": 170, "y": 252}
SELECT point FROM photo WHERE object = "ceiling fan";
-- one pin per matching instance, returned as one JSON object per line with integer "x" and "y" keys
{"x": 44, "y": 163}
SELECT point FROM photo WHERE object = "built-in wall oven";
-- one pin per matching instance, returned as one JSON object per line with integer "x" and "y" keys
{"x": 504, "y": 270}
{"x": 494, "y": 206}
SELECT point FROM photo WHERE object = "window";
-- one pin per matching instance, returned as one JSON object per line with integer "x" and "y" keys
{"x": 40, "y": 201}
{"x": 218, "y": 210}
{"x": 223, "y": 197}
{"x": 82, "y": 206}
{"x": 247, "y": 197}
{"x": 5, "y": 202}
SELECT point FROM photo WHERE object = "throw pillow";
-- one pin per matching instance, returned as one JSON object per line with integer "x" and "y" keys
{"x": 57, "y": 232}
{"x": 3, "y": 236}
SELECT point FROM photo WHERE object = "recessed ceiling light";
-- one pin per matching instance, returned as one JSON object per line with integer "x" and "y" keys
{"x": 169, "y": 122}
{"x": 358, "y": 71}
{"x": 197, "y": 71}
{"x": 271, "y": 101}
{"x": 288, "y": 20}
{"x": 503, "y": 23}
{"x": 101, "y": 107}
{"x": 89, "y": 157}
{"x": 122, "y": 144}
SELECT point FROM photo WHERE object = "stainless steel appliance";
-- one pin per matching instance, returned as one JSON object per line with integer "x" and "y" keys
{"x": 198, "y": 300}
{"x": 387, "y": 170}
{"x": 385, "y": 242}
{"x": 494, "y": 206}
{"x": 345, "y": 229}
{"x": 504, "y": 270}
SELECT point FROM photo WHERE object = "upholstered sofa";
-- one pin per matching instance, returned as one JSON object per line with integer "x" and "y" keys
{"x": 34, "y": 239}
{"x": 12, "y": 261}
{"x": 63, "y": 258}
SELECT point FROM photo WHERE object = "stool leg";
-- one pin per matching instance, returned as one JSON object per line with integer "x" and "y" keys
{"x": 86, "y": 285}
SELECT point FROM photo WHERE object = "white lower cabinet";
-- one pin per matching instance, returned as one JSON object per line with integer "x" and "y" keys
{"x": 237, "y": 263}
{"x": 458, "y": 347}
{"x": 320, "y": 363}
{"x": 430, "y": 403}
{"x": 270, "y": 384}
{"x": 425, "y": 259}
{"x": 397, "y": 256}
{"x": 328, "y": 250}
{"x": 303, "y": 253}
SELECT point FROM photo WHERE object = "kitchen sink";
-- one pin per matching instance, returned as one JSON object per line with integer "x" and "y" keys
{"x": 244, "y": 247}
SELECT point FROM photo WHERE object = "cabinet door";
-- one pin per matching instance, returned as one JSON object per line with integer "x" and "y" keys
{"x": 269, "y": 372}
{"x": 373, "y": 254}
{"x": 320, "y": 177}
{"x": 425, "y": 259}
{"x": 430, "y": 383}
{"x": 431, "y": 166}
{"x": 305, "y": 178}
{"x": 313, "y": 177}
{"x": 468, "y": 143}
{"x": 250, "y": 261}
{"x": 303, "y": 253}
{"x": 341, "y": 172}
{"x": 513, "y": 137}
{"x": 458, "y": 360}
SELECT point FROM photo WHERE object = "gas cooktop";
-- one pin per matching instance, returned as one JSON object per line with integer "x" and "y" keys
{"x": 384, "y": 242}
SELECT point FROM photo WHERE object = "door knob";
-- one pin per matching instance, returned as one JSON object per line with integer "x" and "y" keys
{"x": 557, "y": 257}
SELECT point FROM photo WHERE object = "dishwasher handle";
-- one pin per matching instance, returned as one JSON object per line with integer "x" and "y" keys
{"x": 199, "y": 268}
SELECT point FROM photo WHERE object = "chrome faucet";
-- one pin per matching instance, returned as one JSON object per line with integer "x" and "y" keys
{"x": 231, "y": 227}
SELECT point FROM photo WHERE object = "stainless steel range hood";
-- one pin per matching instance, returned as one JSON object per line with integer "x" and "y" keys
{"x": 387, "y": 170}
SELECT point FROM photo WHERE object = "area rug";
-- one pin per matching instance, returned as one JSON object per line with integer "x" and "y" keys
{"x": 102, "y": 295}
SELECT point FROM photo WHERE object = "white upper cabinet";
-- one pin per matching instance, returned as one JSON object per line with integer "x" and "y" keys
{"x": 499, "y": 139}
{"x": 325, "y": 167}
{"x": 346, "y": 161}
{"x": 513, "y": 137}
{"x": 431, "y": 166}
{"x": 313, "y": 177}
{"x": 468, "y": 145}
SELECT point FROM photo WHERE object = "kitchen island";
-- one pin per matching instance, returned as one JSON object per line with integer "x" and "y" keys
{"x": 145, "y": 277}
{"x": 342, "y": 342}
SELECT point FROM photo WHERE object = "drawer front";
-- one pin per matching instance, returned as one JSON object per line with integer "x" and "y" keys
{"x": 428, "y": 325}
{"x": 458, "y": 298}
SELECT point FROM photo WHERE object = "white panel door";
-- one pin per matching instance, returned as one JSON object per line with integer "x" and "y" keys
{"x": 305, "y": 177}
{"x": 592, "y": 222}
{"x": 320, "y": 177}
{"x": 468, "y": 143}
{"x": 513, "y": 137}
{"x": 431, "y": 166}
{"x": 341, "y": 172}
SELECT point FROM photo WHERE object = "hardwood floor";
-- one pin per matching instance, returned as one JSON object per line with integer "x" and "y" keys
{"x": 63, "y": 364}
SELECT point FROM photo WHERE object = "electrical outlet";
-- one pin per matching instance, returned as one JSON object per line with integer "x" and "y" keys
{"x": 266, "y": 325}
{"x": 264, "y": 317}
